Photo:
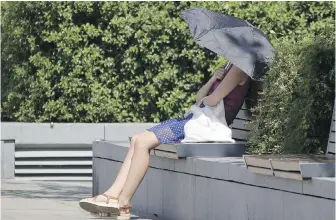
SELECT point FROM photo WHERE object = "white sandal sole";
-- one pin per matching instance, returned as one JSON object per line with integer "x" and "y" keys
{"x": 99, "y": 207}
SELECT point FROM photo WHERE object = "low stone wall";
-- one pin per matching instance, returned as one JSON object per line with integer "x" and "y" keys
{"x": 215, "y": 188}
{"x": 33, "y": 142}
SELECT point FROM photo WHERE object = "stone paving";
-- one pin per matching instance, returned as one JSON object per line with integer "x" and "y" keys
{"x": 34, "y": 200}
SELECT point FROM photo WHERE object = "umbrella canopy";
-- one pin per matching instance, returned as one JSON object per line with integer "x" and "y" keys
{"x": 235, "y": 39}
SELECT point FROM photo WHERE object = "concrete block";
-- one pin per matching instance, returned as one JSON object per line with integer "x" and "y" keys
{"x": 322, "y": 187}
{"x": 185, "y": 165}
{"x": 219, "y": 200}
{"x": 154, "y": 191}
{"x": 178, "y": 195}
{"x": 228, "y": 200}
{"x": 168, "y": 164}
{"x": 122, "y": 131}
{"x": 7, "y": 159}
{"x": 202, "y": 198}
{"x": 139, "y": 201}
{"x": 155, "y": 162}
{"x": 104, "y": 173}
{"x": 307, "y": 207}
{"x": 264, "y": 203}
{"x": 204, "y": 166}
{"x": 107, "y": 150}
{"x": 211, "y": 167}
{"x": 57, "y": 133}
{"x": 289, "y": 185}
{"x": 236, "y": 199}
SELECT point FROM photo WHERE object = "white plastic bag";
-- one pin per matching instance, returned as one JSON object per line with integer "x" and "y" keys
{"x": 207, "y": 124}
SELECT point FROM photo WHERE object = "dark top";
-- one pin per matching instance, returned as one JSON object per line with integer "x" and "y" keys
{"x": 235, "y": 99}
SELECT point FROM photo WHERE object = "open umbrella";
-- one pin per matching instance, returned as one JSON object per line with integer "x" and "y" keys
{"x": 235, "y": 39}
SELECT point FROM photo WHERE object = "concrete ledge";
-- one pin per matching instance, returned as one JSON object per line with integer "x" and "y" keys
{"x": 7, "y": 159}
{"x": 46, "y": 133}
{"x": 32, "y": 142}
{"x": 69, "y": 133}
{"x": 215, "y": 188}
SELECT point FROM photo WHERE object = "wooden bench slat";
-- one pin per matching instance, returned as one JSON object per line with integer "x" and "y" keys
{"x": 239, "y": 134}
{"x": 240, "y": 124}
{"x": 166, "y": 154}
{"x": 243, "y": 114}
{"x": 277, "y": 173}
{"x": 332, "y": 137}
{"x": 331, "y": 147}
{"x": 167, "y": 148}
{"x": 288, "y": 175}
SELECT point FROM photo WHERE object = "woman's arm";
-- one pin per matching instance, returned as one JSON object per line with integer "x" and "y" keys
{"x": 218, "y": 74}
{"x": 204, "y": 90}
{"x": 234, "y": 77}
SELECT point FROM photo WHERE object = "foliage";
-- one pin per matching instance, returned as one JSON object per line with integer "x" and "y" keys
{"x": 294, "y": 114}
{"x": 121, "y": 61}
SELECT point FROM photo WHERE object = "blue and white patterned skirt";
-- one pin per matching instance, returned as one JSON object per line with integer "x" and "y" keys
{"x": 170, "y": 131}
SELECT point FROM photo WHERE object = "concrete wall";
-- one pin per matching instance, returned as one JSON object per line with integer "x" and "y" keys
{"x": 215, "y": 188}
{"x": 25, "y": 136}
{"x": 69, "y": 133}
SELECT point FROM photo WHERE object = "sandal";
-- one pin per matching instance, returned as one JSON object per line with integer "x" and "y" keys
{"x": 127, "y": 212}
{"x": 104, "y": 209}
{"x": 92, "y": 206}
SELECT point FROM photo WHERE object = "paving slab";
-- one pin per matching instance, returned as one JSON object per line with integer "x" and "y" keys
{"x": 34, "y": 200}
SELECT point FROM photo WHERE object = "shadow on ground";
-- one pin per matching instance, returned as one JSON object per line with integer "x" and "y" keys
{"x": 48, "y": 190}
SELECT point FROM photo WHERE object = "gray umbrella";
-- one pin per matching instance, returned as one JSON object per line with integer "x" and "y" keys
{"x": 235, "y": 39}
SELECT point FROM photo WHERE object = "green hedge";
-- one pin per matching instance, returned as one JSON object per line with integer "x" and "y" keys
{"x": 120, "y": 61}
{"x": 294, "y": 115}
{"x": 136, "y": 62}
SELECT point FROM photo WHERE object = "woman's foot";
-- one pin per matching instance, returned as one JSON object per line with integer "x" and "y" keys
{"x": 124, "y": 208}
{"x": 106, "y": 197}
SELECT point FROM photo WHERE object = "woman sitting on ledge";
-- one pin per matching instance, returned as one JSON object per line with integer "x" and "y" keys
{"x": 117, "y": 199}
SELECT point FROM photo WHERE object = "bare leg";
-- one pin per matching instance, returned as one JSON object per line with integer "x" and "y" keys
{"x": 119, "y": 183}
{"x": 140, "y": 162}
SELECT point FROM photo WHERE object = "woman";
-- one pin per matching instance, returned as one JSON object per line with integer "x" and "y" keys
{"x": 232, "y": 86}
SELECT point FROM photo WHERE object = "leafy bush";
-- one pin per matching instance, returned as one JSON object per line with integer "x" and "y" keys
{"x": 121, "y": 61}
{"x": 294, "y": 114}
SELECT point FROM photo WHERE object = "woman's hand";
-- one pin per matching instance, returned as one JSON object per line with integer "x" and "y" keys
{"x": 218, "y": 74}
{"x": 234, "y": 77}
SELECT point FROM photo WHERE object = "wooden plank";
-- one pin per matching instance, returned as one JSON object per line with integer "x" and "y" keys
{"x": 166, "y": 154}
{"x": 288, "y": 175}
{"x": 167, "y": 147}
{"x": 244, "y": 106}
{"x": 239, "y": 134}
{"x": 285, "y": 162}
{"x": 331, "y": 147}
{"x": 285, "y": 165}
{"x": 240, "y": 124}
{"x": 243, "y": 114}
{"x": 331, "y": 141}
{"x": 277, "y": 173}
{"x": 332, "y": 137}
{"x": 260, "y": 170}
{"x": 257, "y": 161}
{"x": 332, "y": 126}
